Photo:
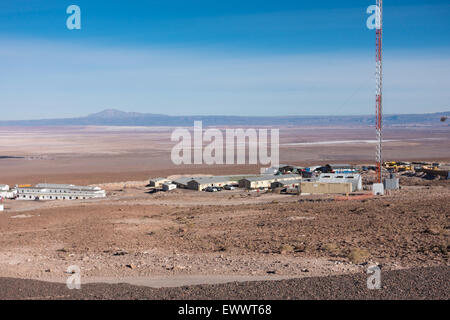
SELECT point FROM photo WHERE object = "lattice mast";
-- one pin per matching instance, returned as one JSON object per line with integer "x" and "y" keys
{"x": 379, "y": 91}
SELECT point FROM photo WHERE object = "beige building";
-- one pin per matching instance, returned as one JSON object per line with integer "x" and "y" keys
{"x": 325, "y": 187}
{"x": 265, "y": 181}
{"x": 201, "y": 183}
{"x": 158, "y": 182}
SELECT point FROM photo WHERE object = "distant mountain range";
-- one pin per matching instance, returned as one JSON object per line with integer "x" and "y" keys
{"x": 112, "y": 117}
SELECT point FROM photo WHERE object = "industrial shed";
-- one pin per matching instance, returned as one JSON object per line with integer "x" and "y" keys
{"x": 354, "y": 179}
{"x": 265, "y": 181}
{"x": 182, "y": 182}
{"x": 201, "y": 183}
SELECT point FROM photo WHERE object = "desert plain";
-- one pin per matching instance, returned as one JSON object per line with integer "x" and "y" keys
{"x": 223, "y": 244}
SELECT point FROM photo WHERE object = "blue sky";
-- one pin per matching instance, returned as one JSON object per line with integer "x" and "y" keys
{"x": 220, "y": 57}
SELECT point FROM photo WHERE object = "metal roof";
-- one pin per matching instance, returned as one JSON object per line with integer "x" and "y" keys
{"x": 340, "y": 176}
{"x": 183, "y": 180}
{"x": 212, "y": 179}
{"x": 64, "y": 186}
{"x": 340, "y": 166}
{"x": 273, "y": 177}
{"x": 158, "y": 179}
{"x": 286, "y": 182}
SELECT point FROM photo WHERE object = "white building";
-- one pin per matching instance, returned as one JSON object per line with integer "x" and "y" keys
{"x": 6, "y": 193}
{"x": 44, "y": 191}
{"x": 169, "y": 186}
{"x": 354, "y": 179}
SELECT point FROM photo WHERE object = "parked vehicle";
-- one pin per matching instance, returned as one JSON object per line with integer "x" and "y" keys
{"x": 211, "y": 189}
{"x": 229, "y": 187}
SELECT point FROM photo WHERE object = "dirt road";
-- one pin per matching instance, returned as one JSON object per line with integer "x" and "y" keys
{"x": 419, "y": 283}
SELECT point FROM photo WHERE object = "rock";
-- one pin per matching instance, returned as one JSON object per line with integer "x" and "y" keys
{"x": 131, "y": 266}
{"x": 120, "y": 253}
{"x": 433, "y": 230}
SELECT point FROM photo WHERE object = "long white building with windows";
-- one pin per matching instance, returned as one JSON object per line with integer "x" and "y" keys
{"x": 45, "y": 191}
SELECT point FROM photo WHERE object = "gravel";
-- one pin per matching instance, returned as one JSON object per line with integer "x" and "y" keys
{"x": 416, "y": 283}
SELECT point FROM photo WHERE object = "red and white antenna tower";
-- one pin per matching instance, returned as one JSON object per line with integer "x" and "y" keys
{"x": 379, "y": 95}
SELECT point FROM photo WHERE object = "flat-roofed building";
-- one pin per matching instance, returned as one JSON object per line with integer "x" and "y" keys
{"x": 168, "y": 186}
{"x": 353, "y": 178}
{"x": 46, "y": 191}
{"x": 265, "y": 181}
{"x": 325, "y": 187}
{"x": 158, "y": 182}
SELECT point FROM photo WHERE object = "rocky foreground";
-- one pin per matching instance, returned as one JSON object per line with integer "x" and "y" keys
{"x": 419, "y": 283}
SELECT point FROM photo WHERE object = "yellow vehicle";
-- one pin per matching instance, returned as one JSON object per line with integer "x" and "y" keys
{"x": 397, "y": 166}
{"x": 390, "y": 165}
{"x": 404, "y": 167}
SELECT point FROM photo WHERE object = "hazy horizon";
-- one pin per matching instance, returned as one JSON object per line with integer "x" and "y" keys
{"x": 220, "y": 115}
{"x": 236, "y": 58}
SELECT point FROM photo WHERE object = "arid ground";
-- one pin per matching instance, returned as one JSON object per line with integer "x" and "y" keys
{"x": 86, "y": 155}
{"x": 186, "y": 237}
